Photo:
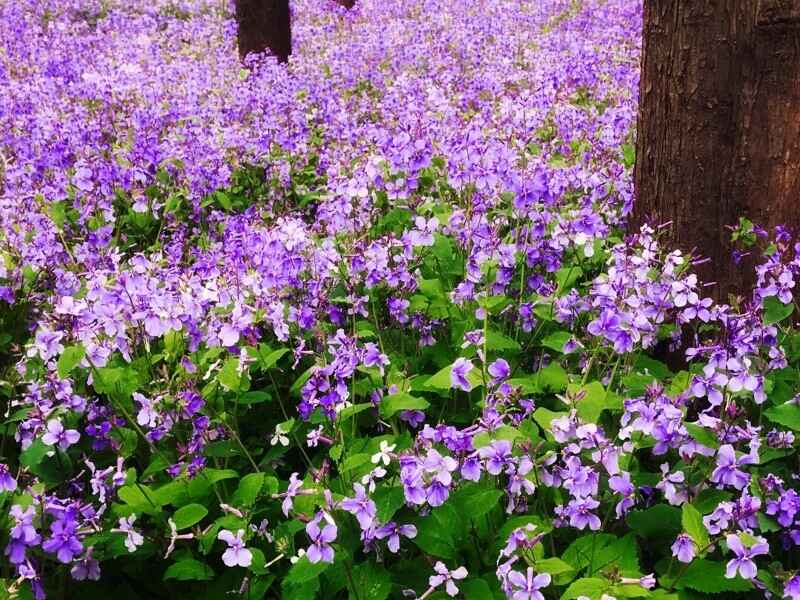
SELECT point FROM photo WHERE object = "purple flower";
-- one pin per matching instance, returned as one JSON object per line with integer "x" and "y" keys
{"x": 458, "y": 374}
{"x": 499, "y": 370}
{"x": 791, "y": 589}
{"x": 443, "y": 575}
{"x": 393, "y": 531}
{"x": 580, "y": 515}
{"x": 622, "y": 485}
{"x": 526, "y": 587}
{"x": 86, "y": 568}
{"x": 743, "y": 562}
{"x": 727, "y": 471}
{"x": 236, "y": 554}
{"x": 23, "y": 535}
{"x": 63, "y": 541}
{"x": 294, "y": 488}
{"x": 47, "y": 344}
{"x": 7, "y": 482}
{"x": 56, "y": 434}
{"x": 361, "y": 506}
{"x": 320, "y": 548}
{"x": 684, "y": 548}
{"x": 497, "y": 456}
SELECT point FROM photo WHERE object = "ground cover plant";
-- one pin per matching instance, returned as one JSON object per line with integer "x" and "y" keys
{"x": 369, "y": 325}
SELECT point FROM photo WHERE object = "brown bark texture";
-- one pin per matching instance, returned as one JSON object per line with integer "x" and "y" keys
{"x": 264, "y": 25}
{"x": 719, "y": 124}
{"x": 347, "y": 3}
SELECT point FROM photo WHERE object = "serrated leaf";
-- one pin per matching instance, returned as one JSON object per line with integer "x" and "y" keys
{"x": 189, "y": 515}
{"x": 709, "y": 577}
{"x": 787, "y": 414}
{"x": 371, "y": 582}
{"x": 592, "y": 587}
{"x": 69, "y": 359}
{"x": 388, "y": 501}
{"x": 692, "y": 522}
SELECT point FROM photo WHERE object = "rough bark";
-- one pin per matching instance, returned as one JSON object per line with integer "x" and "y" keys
{"x": 264, "y": 25}
{"x": 719, "y": 124}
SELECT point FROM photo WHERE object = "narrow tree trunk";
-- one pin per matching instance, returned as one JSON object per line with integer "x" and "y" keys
{"x": 264, "y": 24}
{"x": 719, "y": 123}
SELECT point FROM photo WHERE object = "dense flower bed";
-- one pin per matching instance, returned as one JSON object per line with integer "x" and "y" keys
{"x": 369, "y": 325}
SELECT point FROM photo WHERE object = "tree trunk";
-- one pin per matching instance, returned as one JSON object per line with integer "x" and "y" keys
{"x": 719, "y": 124}
{"x": 347, "y": 3}
{"x": 264, "y": 24}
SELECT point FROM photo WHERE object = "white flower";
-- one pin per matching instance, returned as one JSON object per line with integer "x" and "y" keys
{"x": 133, "y": 539}
{"x": 384, "y": 453}
{"x": 279, "y": 437}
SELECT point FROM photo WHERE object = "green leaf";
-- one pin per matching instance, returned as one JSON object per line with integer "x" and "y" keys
{"x": 254, "y": 397}
{"x": 303, "y": 571}
{"x": 188, "y": 515}
{"x": 401, "y": 401}
{"x": 69, "y": 359}
{"x": 702, "y": 435}
{"x": 371, "y": 582}
{"x": 659, "y": 521}
{"x": 248, "y": 490}
{"x": 556, "y": 340}
{"x": 709, "y": 577}
{"x": 554, "y": 566}
{"x": 475, "y": 589}
{"x": 595, "y": 401}
{"x": 189, "y": 569}
{"x": 388, "y": 500}
{"x": 441, "y": 381}
{"x": 787, "y": 414}
{"x": 476, "y": 500}
{"x": 497, "y": 342}
{"x": 593, "y": 588}
{"x": 581, "y": 551}
{"x": 775, "y": 310}
{"x": 692, "y": 522}
{"x": 267, "y": 358}
{"x": 229, "y": 376}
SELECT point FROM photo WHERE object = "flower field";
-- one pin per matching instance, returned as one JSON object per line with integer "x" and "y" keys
{"x": 369, "y": 325}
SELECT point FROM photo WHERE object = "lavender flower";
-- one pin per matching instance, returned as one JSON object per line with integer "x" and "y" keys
{"x": 459, "y": 372}
{"x": 57, "y": 435}
{"x": 743, "y": 562}
{"x": 7, "y": 482}
{"x": 236, "y": 554}
{"x": 684, "y": 548}
{"x": 320, "y": 549}
{"x": 526, "y": 587}
{"x": 393, "y": 531}
{"x": 444, "y": 575}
